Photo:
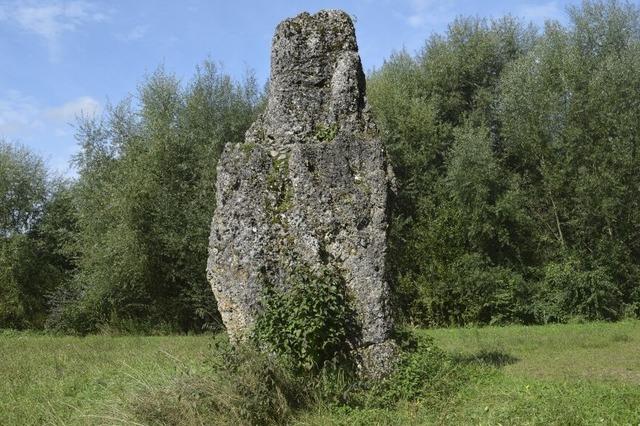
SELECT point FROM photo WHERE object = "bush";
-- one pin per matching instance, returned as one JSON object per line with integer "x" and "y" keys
{"x": 469, "y": 290}
{"x": 35, "y": 222}
{"x": 66, "y": 314}
{"x": 309, "y": 322}
{"x": 568, "y": 291}
{"x": 144, "y": 199}
{"x": 423, "y": 372}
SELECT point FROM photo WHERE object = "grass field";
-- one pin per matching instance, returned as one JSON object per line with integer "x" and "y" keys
{"x": 556, "y": 374}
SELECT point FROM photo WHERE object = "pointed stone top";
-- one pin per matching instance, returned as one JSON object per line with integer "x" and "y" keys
{"x": 317, "y": 87}
{"x": 307, "y": 36}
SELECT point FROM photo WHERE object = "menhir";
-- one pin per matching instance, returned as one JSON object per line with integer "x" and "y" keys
{"x": 309, "y": 185}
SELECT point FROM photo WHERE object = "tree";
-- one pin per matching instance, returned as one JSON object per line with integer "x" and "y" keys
{"x": 437, "y": 113}
{"x": 145, "y": 196}
{"x": 517, "y": 172}
{"x": 34, "y": 215}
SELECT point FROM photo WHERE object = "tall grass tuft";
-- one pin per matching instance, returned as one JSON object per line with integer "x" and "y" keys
{"x": 240, "y": 386}
{"x": 244, "y": 386}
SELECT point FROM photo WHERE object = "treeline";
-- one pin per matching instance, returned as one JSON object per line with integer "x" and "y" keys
{"x": 517, "y": 176}
{"x": 126, "y": 248}
{"x": 518, "y": 169}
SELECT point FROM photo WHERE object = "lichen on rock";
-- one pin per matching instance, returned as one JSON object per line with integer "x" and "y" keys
{"x": 308, "y": 185}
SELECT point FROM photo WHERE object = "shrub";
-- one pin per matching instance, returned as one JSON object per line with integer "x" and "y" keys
{"x": 569, "y": 290}
{"x": 309, "y": 321}
{"x": 469, "y": 290}
{"x": 66, "y": 314}
{"x": 423, "y": 372}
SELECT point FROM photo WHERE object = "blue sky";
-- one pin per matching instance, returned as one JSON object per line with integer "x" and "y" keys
{"x": 59, "y": 58}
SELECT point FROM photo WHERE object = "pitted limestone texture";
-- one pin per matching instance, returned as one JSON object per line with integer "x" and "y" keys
{"x": 308, "y": 185}
{"x": 316, "y": 81}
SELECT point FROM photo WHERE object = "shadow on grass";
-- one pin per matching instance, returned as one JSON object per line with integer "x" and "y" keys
{"x": 494, "y": 358}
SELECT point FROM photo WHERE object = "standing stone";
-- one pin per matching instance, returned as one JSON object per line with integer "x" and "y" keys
{"x": 308, "y": 185}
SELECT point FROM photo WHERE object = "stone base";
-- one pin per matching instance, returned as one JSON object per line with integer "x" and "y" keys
{"x": 378, "y": 360}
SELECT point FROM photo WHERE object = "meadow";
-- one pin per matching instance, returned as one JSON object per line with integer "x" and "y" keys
{"x": 570, "y": 374}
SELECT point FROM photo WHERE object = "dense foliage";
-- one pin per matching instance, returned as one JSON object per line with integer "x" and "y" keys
{"x": 309, "y": 323}
{"x": 518, "y": 177}
{"x": 145, "y": 197}
{"x": 35, "y": 234}
{"x": 517, "y": 174}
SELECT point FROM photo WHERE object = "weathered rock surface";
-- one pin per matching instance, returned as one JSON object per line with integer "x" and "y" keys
{"x": 308, "y": 185}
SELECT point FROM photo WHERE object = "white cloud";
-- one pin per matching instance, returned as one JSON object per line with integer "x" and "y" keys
{"x": 136, "y": 33}
{"x": 45, "y": 129}
{"x": 541, "y": 12}
{"x": 21, "y": 115}
{"x": 429, "y": 12}
{"x": 69, "y": 111}
{"x": 50, "y": 20}
{"x": 416, "y": 20}
{"x": 18, "y": 111}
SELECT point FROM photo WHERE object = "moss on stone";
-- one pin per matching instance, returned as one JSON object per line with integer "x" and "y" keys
{"x": 247, "y": 148}
{"x": 326, "y": 132}
{"x": 280, "y": 187}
